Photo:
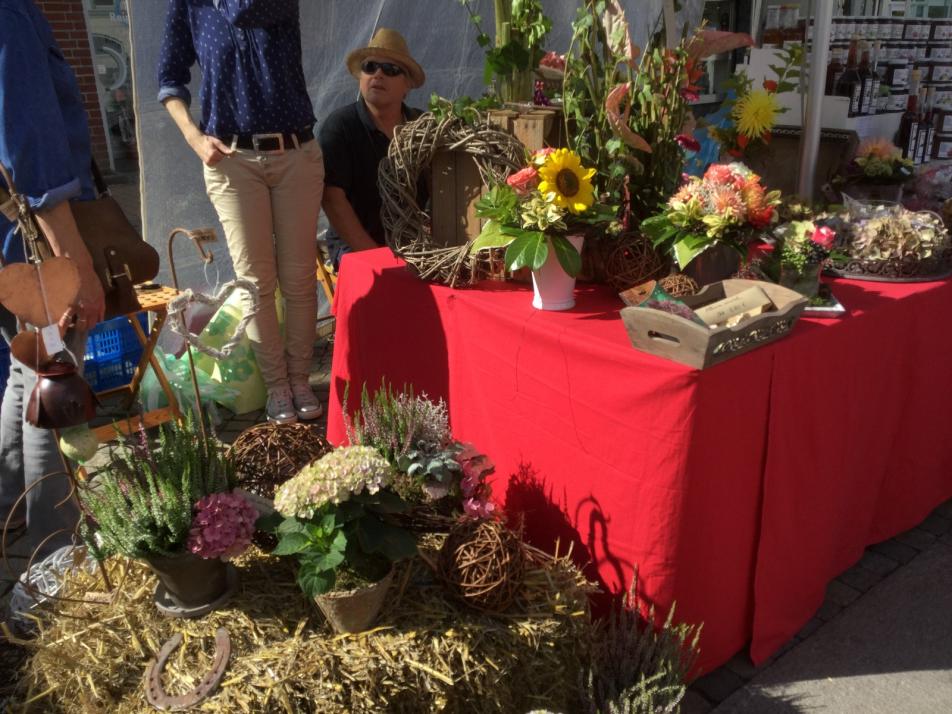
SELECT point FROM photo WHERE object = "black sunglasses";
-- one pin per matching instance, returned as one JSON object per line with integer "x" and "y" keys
{"x": 388, "y": 68}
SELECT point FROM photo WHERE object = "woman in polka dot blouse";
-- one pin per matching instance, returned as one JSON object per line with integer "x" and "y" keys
{"x": 264, "y": 171}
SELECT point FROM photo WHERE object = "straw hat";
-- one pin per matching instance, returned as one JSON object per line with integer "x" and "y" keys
{"x": 389, "y": 45}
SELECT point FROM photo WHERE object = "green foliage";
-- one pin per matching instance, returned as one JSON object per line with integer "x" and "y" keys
{"x": 141, "y": 503}
{"x": 635, "y": 667}
{"x": 356, "y": 536}
{"x": 470, "y": 110}
{"x": 436, "y": 471}
{"x": 521, "y": 29}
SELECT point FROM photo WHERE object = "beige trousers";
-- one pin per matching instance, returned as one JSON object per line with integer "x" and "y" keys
{"x": 268, "y": 205}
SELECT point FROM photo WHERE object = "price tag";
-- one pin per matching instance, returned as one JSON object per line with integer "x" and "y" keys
{"x": 51, "y": 339}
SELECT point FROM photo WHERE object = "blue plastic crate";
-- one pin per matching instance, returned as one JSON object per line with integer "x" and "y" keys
{"x": 112, "y": 353}
{"x": 4, "y": 366}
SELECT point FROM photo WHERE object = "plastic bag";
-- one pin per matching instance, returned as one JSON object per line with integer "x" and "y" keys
{"x": 176, "y": 372}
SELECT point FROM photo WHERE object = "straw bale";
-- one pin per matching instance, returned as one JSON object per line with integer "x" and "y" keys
{"x": 426, "y": 653}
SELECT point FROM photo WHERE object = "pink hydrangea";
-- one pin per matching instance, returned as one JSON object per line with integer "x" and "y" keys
{"x": 222, "y": 526}
{"x": 477, "y": 494}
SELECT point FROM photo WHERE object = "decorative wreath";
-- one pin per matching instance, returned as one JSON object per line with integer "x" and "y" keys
{"x": 497, "y": 154}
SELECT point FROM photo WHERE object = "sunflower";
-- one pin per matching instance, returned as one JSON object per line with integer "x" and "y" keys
{"x": 756, "y": 113}
{"x": 565, "y": 182}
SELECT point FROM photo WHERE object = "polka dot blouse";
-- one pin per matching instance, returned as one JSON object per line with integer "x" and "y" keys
{"x": 249, "y": 53}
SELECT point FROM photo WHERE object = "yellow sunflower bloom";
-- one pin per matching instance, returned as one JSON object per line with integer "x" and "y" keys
{"x": 756, "y": 113}
{"x": 564, "y": 182}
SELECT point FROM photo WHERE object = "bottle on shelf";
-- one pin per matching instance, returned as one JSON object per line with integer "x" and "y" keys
{"x": 921, "y": 125}
{"x": 792, "y": 32}
{"x": 877, "y": 80}
{"x": 866, "y": 78}
{"x": 772, "y": 36}
{"x": 834, "y": 70}
{"x": 908, "y": 135}
{"x": 850, "y": 83}
{"x": 927, "y": 128}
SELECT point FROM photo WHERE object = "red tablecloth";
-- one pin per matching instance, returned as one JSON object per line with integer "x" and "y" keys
{"x": 694, "y": 477}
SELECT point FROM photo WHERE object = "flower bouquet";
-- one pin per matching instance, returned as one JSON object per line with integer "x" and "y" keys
{"x": 335, "y": 515}
{"x": 544, "y": 209}
{"x": 804, "y": 249}
{"x": 173, "y": 507}
{"x": 876, "y": 172}
{"x": 729, "y": 206}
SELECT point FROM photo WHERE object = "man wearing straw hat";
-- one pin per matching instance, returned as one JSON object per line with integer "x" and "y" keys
{"x": 356, "y": 137}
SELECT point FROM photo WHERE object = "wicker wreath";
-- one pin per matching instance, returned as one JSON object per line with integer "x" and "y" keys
{"x": 679, "y": 285}
{"x": 483, "y": 563}
{"x": 497, "y": 154}
{"x": 266, "y": 455}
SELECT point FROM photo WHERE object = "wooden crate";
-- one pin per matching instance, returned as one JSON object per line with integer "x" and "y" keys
{"x": 675, "y": 338}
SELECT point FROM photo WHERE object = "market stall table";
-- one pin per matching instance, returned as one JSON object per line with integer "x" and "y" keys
{"x": 641, "y": 462}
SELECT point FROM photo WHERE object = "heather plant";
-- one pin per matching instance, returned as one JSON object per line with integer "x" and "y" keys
{"x": 394, "y": 422}
{"x": 636, "y": 667}
{"x": 335, "y": 517}
{"x": 141, "y": 504}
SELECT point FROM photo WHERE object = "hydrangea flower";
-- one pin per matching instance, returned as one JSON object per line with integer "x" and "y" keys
{"x": 332, "y": 479}
{"x": 222, "y": 526}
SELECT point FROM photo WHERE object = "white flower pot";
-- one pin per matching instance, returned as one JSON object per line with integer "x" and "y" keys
{"x": 554, "y": 288}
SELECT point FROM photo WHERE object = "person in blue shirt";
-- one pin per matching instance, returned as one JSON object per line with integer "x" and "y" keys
{"x": 263, "y": 170}
{"x": 44, "y": 143}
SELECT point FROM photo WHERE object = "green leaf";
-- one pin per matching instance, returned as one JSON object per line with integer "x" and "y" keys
{"x": 529, "y": 250}
{"x": 292, "y": 543}
{"x": 269, "y": 523}
{"x": 491, "y": 236}
{"x": 568, "y": 257}
{"x": 390, "y": 541}
{"x": 314, "y": 581}
{"x": 689, "y": 247}
{"x": 386, "y": 501}
{"x": 292, "y": 525}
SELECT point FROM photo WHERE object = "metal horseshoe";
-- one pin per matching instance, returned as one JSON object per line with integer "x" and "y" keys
{"x": 155, "y": 692}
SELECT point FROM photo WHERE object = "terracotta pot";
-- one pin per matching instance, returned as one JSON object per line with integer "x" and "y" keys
{"x": 554, "y": 288}
{"x": 354, "y": 610}
{"x": 719, "y": 262}
{"x": 190, "y": 581}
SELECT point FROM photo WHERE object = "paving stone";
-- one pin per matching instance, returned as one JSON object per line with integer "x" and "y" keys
{"x": 860, "y": 578}
{"x": 718, "y": 685}
{"x": 841, "y": 593}
{"x": 936, "y": 525}
{"x": 917, "y": 538}
{"x": 878, "y": 563}
{"x": 945, "y": 510}
{"x": 695, "y": 703}
{"x": 808, "y": 629}
{"x": 894, "y": 550}
{"x": 741, "y": 665}
{"x": 828, "y": 610}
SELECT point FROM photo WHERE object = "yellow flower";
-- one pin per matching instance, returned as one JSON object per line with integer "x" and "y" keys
{"x": 565, "y": 182}
{"x": 755, "y": 113}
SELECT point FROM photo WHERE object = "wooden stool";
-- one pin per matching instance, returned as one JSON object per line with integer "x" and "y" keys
{"x": 155, "y": 301}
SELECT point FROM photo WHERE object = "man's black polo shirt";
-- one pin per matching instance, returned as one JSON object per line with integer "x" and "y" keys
{"x": 353, "y": 147}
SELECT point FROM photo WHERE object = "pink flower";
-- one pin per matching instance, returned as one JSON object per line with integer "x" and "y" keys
{"x": 688, "y": 143}
{"x": 553, "y": 60}
{"x": 719, "y": 174}
{"x": 824, "y": 236}
{"x": 760, "y": 218}
{"x": 523, "y": 181}
{"x": 538, "y": 157}
{"x": 222, "y": 526}
{"x": 476, "y": 508}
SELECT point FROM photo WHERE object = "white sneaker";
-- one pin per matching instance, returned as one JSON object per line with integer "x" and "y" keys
{"x": 305, "y": 403}
{"x": 280, "y": 407}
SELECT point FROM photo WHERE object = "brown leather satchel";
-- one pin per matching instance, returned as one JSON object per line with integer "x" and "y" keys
{"x": 120, "y": 256}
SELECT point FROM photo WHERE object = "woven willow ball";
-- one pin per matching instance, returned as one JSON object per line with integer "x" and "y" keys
{"x": 267, "y": 455}
{"x": 679, "y": 285}
{"x": 628, "y": 260}
{"x": 482, "y": 563}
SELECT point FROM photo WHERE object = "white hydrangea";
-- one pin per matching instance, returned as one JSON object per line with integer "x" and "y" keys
{"x": 333, "y": 479}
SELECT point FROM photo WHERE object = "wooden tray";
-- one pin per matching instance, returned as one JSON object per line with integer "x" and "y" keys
{"x": 675, "y": 338}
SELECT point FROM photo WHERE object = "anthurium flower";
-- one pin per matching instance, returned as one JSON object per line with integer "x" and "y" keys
{"x": 688, "y": 143}
{"x": 770, "y": 85}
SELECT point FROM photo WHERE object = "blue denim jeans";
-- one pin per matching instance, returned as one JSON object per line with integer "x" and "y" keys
{"x": 28, "y": 453}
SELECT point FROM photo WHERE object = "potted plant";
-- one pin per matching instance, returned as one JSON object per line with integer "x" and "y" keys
{"x": 335, "y": 516}
{"x": 436, "y": 475}
{"x": 707, "y": 224}
{"x": 172, "y": 507}
{"x": 877, "y": 172}
{"x": 521, "y": 29}
{"x": 541, "y": 214}
{"x": 804, "y": 249}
